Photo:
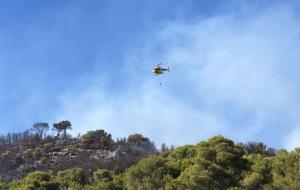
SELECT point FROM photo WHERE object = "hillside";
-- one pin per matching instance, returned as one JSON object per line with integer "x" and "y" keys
{"x": 218, "y": 163}
{"x": 96, "y": 149}
{"x": 133, "y": 163}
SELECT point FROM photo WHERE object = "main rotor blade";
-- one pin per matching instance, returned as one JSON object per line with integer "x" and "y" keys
{"x": 162, "y": 64}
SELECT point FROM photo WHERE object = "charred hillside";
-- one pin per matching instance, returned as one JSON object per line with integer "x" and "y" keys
{"x": 23, "y": 153}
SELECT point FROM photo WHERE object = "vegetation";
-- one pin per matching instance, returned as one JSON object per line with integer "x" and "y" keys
{"x": 35, "y": 150}
{"x": 62, "y": 126}
{"x": 217, "y": 163}
{"x": 40, "y": 128}
{"x": 98, "y": 139}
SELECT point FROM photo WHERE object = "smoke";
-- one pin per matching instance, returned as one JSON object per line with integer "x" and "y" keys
{"x": 232, "y": 76}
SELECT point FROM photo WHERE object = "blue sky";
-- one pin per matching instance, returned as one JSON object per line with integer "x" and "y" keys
{"x": 234, "y": 68}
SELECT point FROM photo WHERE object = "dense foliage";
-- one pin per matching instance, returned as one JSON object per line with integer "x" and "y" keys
{"x": 218, "y": 163}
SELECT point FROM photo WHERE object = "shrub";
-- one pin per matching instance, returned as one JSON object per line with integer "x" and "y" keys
{"x": 47, "y": 147}
{"x": 71, "y": 178}
{"x": 6, "y": 154}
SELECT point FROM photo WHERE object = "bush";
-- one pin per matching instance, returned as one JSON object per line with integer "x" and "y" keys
{"x": 19, "y": 159}
{"x": 6, "y": 154}
{"x": 3, "y": 184}
{"x": 35, "y": 181}
{"x": 97, "y": 139}
{"x": 71, "y": 178}
{"x": 37, "y": 153}
{"x": 28, "y": 152}
{"x": 47, "y": 147}
{"x": 149, "y": 173}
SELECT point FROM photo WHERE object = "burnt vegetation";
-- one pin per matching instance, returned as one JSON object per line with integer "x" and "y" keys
{"x": 34, "y": 149}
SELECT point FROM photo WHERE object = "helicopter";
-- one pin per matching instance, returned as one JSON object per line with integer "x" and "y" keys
{"x": 158, "y": 70}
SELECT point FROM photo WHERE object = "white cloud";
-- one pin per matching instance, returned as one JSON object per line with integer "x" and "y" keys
{"x": 235, "y": 77}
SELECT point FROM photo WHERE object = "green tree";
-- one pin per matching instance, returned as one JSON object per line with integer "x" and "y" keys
{"x": 71, "y": 179}
{"x": 286, "y": 170}
{"x": 3, "y": 184}
{"x": 35, "y": 181}
{"x": 148, "y": 174}
{"x": 62, "y": 126}
{"x": 219, "y": 164}
{"x": 118, "y": 182}
{"x": 98, "y": 139}
{"x": 182, "y": 158}
{"x": 258, "y": 174}
{"x": 139, "y": 143}
{"x": 137, "y": 139}
{"x": 57, "y": 127}
{"x": 65, "y": 125}
{"x": 103, "y": 179}
{"x": 102, "y": 175}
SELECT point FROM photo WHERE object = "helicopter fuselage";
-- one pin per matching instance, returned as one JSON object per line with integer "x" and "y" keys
{"x": 159, "y": 70}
